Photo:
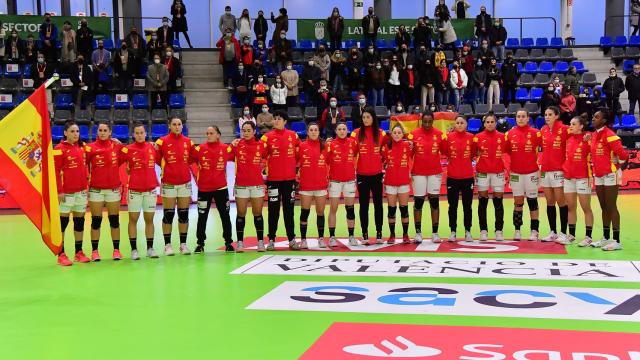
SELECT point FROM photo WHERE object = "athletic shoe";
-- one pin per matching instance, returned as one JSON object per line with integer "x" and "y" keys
{"x": 63, "y": 260}
{"x": 565, "y": 239}
{"x": 271, "y": 246}
{"x": 379, "y": 238}
{"x": 199, "y": 249}
{"x": 452, "y": 237}
{"x": 95, "y": 255}
{"x": 484, "y": 235}
{"x": 599, "y": 243}
{"x": 293, "y": 245}
{"x": 229, "y": 248}
{"x": 184, "y": 250}
{"x": 467, "y": 236}
{"x": 116, "y": 255}
{"x": 151, "y": 253}
{"x": 303, "y": 244}
{"x": 332, "y": 241}
{"x": 81, "y": 257}
{"x": 168, "y": 250}
{"x": 353, "y": 241}
{"x": 435, "y": 238}
{"x": 551, "y": 237}
{"x": 517, "y": 236}
{"x": 261, "y": 246}
{"x": 499, "y": 235}
{"x": 405, "y": 239}
{"x": 585, "y": 242}
{"x": 390, "y": 240}
{"x": 418, "y": 238}
{"x": 321, "y": 243}
{"x": 612, "y": 245}
{"x": 240, "y": 247}
{"x": 364, "y": 241}
{"x": 135, "y": 255}
{"x": 534, "y": 235}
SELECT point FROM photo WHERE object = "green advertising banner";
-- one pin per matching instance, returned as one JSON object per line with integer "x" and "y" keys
{"x": 30, "y": 24}
{"x": 316, "y": 29}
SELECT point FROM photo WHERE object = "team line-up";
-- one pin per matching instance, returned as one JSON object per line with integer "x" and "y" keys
{"x": 367, "y": 160}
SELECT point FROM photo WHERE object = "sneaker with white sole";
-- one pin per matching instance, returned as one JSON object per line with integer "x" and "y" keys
{"x": 418, "y": 238}
{"x": 561, "y": 238}
{"x": 379, "y": 239}
{"x": 184, "y": 250}
{"x": 293, "y": 245}
{"x": 151, "y": 253}
{"x": 168, "y": 250}
{"x": 436, "y": 238}
{"x": 467, "y": 236}
{"x": 240, "y": 247}
{"x": 332, "y": 241}
{"x": 353, "y": 241}
{"x": 565, "y": 239}
{"x": 303, "y": 244}
{"x": 517, "y": 235}
{"x": 499, "y": 235}
{"x": 534, "y": 235}
{"x": 271, "y": 246}
{"x": 452, "y": 237}
{"x": 135, "y": 255}
{"x": 321, "y": 243}
{"x": 586, "y": 241}
{"x": 261, "y": 246}
{"x": 551, "y": 237}
{"x": 599, "y": 243}
{"x": 484, "y": 235}
{"x": 612, "y": 245}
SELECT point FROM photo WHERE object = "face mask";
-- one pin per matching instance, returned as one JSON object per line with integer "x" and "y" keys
{"x": 246, "y": 113}
{"x": 455, "y": 66}
{"x": 289, "y": 67}
{"x": 100, "y": 47}
{"x": 80, "y": 61}
{"x": 165, "y": 23}
{"x": 395, "y": 59}
{"x": 479, "y": 63}
{"x": 362, "y": 101}
{"x": 370, "y": 51}
{"x": 154, "y": 37}
{"x": 169, "y": 53}
{"x": 228, "y": 12}
{"x": 264, "y": 110}
{"x": 14, "y": 35}
{"x": 227, "y": 35}
{"x": 338, "y": 55}
{"x": 124, "y": 47}
{"x": 465, "y": 53}
{"x": 333, "y": 104}
{"x": 612, "y": 75}
{"x": 378, "y": 67}
{"x": 510, "y": 58}
{"x": 409, "y": 66}
{"x": 240, "y": 68}
{"x": 556, "y": 81}
{"x": 321, "y": 50}
{"x": 484, "y": 46}
{"x": 636, "y": 71}
{"x": 260, "y": 79}
{"x": 246, "y": 42}
{"x": 47, "y": 20}
{"x": 41, "y": 60}
{"x": 335, "y": 13}
{"x": 323, "y": 86}
{"x": 282, "y": 36}
{"x": 260, "y": 46}
{"x": 278, "y": 81}
{"x": 157, "y": 61}
{"x": 550, "y": 88}
{"x": 311, "y": 63}
{"x": 399, "y": 109}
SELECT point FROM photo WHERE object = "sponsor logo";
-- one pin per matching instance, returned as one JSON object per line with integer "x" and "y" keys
{"x": 353, "y": 341}
{"x": 455, "y": 299}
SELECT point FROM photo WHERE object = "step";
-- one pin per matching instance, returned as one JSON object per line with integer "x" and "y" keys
{"x": 211, "y": 96}
{"x": 203, "y": 68}
{"x": 197, "y": 84}
{"x": 199, "y": 55}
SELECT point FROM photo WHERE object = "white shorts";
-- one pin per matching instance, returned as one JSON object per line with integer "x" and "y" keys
{"x": 493, "y": 180}
{"x": 104, "y": 195}
{"x": 145, "y": 201}
{"x": 76, "y": 202}
{"x": 423, "y": 185}
{"x": 176, "y": 191}
{"x": 580, "y": 186}
{"x": 552, "y": 179}
{"x": 524, "y": 184}
{"x": 610, "y": 179}
{"x": 347, "y": 189}
{"x": 313, "y": 193}
{"x": 394, "y": 190}
{"x": 245, "y": 192}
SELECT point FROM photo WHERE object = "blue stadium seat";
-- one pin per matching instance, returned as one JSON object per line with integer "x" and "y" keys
{"x": 556, "y": 43}
{"x": 293, "y": 44}
{"x": 298, "y": 68}
{"x": 7, "y": 102}
{"x": 542, "y": 43}
{"x": 381, "y": 44}
{"x": 300, "y": 128}
{"x": 522, "y": 95}
{"x": 13, "y": 74}
{"x": 176, "y": 44}
{"x": 176, "y": 101}
{"x": 238, "y": 130}
{"x": 546, "y": 67}
{"x": 536, "y": 94}
{"x": 458, "y": 44}
{"x": 629, "y": 122}
{"x": 159, "y": 130}
{"x": 140, "y": 101}
{"x": 84, "y": 132}
{"x": 122, "y": 104}
{"x": 627, "y": 65}
{"x": 520, "y": 67}
{"x": 57, "y": 133}
{"x": 103, "y": 101}
{"x": 531, "y": 67}
{"x": 234, "y": 101}
{"x": 474, "y": 125}
{"x": 527, "y": 43}
{"x": 64, "y": 101}
{"x": 616, "y": 123}
{"x": 562, "y": 67}
{"x": 21, "y": 98}
{"x": 511, "y": 121}
{"x": 579, "y": 65}
{"x": 121, "y": 132}
{"x": 305, "y": 44}
{"x": 605, "y": 42}
{"x": 302, "y": 98}
{"x": 539, "y": 122}
{"x": 185, "y": 130}
{"x": 512, "y": 43}
{"x": 620, "y": 41}
{"x": 384, "y": 125}
{"x": 634, "y": 40}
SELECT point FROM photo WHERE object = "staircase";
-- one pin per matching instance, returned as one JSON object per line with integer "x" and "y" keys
{"x": 599, "y": 63}
{"x": 206, "y": 97}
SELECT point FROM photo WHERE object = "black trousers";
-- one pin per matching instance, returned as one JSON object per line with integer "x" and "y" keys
{"x": 221, "y": 197}
{"x": 370, "y": 185}
{"x": 455, "y": 187}
{"x": 285, "y": 192}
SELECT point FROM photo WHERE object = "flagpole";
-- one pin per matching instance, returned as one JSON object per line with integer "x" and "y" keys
{"x": 51, "y": 80}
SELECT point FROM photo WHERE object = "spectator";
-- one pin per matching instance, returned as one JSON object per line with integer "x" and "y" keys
{"x": 179, "y": 21}
{"x": 290, "y": 79}
{"x": 261, "y": 53}
{"x": 394, "y": 86}
{"x": 467, "y": 62}
{"x": 410, "y": 80}
{"x": 311, "y": 75}
{"x": 122, "y": 67}
{"x": 371, "y": 57}
{"x": 227, "y": 21}
{"x": 567, "y": 106}
{"x": 441, "y": 10}
{"x": 493, "y": 77}
{"x": 460, "y": 8}
{"x": 174, "y": 67}
{"x": 354, "y": 68}
{"x": 331, "y": 117}
{"x": 370, "y": 26}
{"x": 157, "y": 79}
{"x": 137, "y": 47}
{"x": 154, "y": 46}
{"x": 244, "y": 25}
{"x": 442, "y": 90}
{"x": 422, "y": 34}
{"x": 260, "y": 93}
{"x": 498, "y": 37}
{"x": 48, "y": 37}
{"x": 84, "y": 39}
{"x": 246, "y": 117}
{"x": 335, "y": 25}
{"x": 229, "y": 55}
{"x": 598, "y": 101}
{"x": 279, "y": 94}
{"x": 282, "y": 51}
{"x": 571, "y": 81}
{"x": 241, "y": 82}
{"x": 632, "y": 84}
{"x": 510, "y": 77}
{"x": 282, "y": 24}
{"x": 41, "y": 71}
{"x": 405, "y": 58}
{"x": 165, "y": 34}
{"x": 81, "y": 77}
{"x": 613, "y": 87}
{"x": 336, "y": 72}
{"x": 100, "y": 60}
{"x": 398, "y": 109}
{"x": 260, "y": 27}
{"x": 323, "y": 61}
{"x": 246, "y": 53}
{"x": 68, "y": 54}
{"x": 479, "y": 83}
{"x": 14, "y": 52}
{"x": 584, "y": 104}
{"x": 323, "y": 96}
{"x": 483, "y": 24}
{"x": 30, "y": 51}
{"x": 264, "y": 120}
{"x": 485, "y": 54}
{"x": 635, "y": 16}
{"x": 256, "y": 69}
{"x": 427, "y": 83}
{"x": 356, "y": 111}
{"x": 557, "y": 85}
{"x": 402, "y": 38}
{"x": 421, "y": 55}
{"x": 549, "y": 98}
{"x": 438, "y": 56}
{"x": 447, "y": 34}
{"x": 458, "y": 80}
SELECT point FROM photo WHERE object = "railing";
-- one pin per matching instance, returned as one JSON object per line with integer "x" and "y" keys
{"x": 522, "y": 19}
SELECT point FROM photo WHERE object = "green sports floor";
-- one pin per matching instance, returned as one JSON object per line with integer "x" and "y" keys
{"x": 187, "y": 307}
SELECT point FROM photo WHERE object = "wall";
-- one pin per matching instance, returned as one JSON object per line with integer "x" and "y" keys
{"x": 588, "y": 21}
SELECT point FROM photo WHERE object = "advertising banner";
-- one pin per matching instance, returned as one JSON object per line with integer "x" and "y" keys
{"x": 30, "y": 24}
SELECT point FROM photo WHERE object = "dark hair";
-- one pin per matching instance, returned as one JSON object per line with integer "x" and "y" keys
{"x": 463, "y": 118}
{"x": 281, "y": 113}
{"x": 374, "y": 125}
{"x": 217, "y": 129}
{"x": 313, "y": 123}
{"x": 67, "y": 125}
{"x": 66, "y": 22}
{"x": 283, "y": 11}
{"x": 489, "y": 114}
{"x": 523, "y": 109}
{"x": 138, "y": 124}
{"x": 390, "y": 141}
{"x": 607, "y": 115}
{"x": 553, "y": 108}
{"x": 104, "y": 123}
{"x": 175, "y": 117}
{"x": 583, "y": 119}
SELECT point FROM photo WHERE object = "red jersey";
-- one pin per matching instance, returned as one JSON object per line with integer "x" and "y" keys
{"x": 313, "y": 166}
{"x": 522, "y": 145}
{"x": 174, "y": 153}
{"x": 341, "y": 158}
{"x": 104, "y": 164}
{"x": 460, "y": 149}
{"x": 141, "y": 158}
{"x": 427, "y": 149}
{"x": 397, "y": 160}
{"x": 491, "y": 145}
{"x": 576, "y": 163}
{"x": 249, "y": 154}
{"x": 212, "y": 164}
{"x": 606, "y": 152}
{"x": 282, "y": 147}
{"x": 369, "y": 157}
{"x": 71, "y": 168}
{"x": 554, "y": 144}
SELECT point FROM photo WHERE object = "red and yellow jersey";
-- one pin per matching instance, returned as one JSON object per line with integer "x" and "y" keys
{"x": 369, "y": 156}
{"x": 460, "y": 150}
{"x": 522, "y": 146}
{"x": 71, "y": 168}
{"x": 249, "y": 154}
{"x": 606, "y": 152}
{"x": 491, "y": 146}
{"x": 212, "y": 165}
{"x": 554, "y": 143}
{"x": 398, "y": 163}
{"x": 428, "y": 147}
{"x": 104, "y": 163}
{"x": 174, "y": 154}
{"x": 141, "y": 159}
{"x": 313, "y": 166}
{"x": 282, "y": 148}
{"x": 578, "y": 155}
{"x": 341, "y": 157}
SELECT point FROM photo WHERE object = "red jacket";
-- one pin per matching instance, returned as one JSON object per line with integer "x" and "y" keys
{"x": 327, "y": 117}
{"x": 568, "y": 103}
{"x": 249, "y": 156}
{"x": 174, "y": 154}
{"x": 71, "y": 168}
{"x": 104, "y": 164}
{"x": 247, "y": 55}
{"x": 212, "y": 164}
{"x": 427, "y": 149}
{"x": 313, "y": 166}
{"x": 576, "y": 164}
{"x": 220, "y": 44}
{"x": 282, "y": 147}
{"x": 341, "y": 157}
{"x": 141, "y": 158}
{"x": 460, "y": 149}
{"x": 398, "y": 164}
{"x": 522, "y": 145}
{"x": 606, "y": 152}
{"x": 554, "y": 143}
{"x": 369, "y": 157}
{"x": 491, "y": 145}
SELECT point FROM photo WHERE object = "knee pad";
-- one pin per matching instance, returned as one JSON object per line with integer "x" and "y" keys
{"x": 78, "y": 224}
{"x": 391, "y": 212}
{"x": 64, "y": 222}
{"x": 168, "y": 216}
{"x": 497, "y": 203}
{"x": 351, "y": 212}
{"x": 96, "y": 222}
{"x": 404, "y": 211}
{"x": 240, "y": 222}
{"x": 532, "y": 203}
{"x": 114, "y": 221}
{"x": 183, "y": 216}
{"x": 304, "y": 215}
{"x": 483, "y": 202}
{"x": 517, "y": 219}
{"x": 418, "y": 201}
{"x": 434, "y": 202}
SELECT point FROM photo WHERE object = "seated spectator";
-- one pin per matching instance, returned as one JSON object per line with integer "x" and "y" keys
{"x": 402, "y": 37}
{"x": 100, "y": 60}
{"x": 310, "y": 81}
{"x": 14, "y": 51}
{"x": 549, "y": 98}
{"x": 174, "y": 67}
{"x": 257, "y": 69}
{"x": 322, "y": 61}
{"x": 598, "y": 101}
{"x": 557, "y": 85}
{"x": 246, "y": 116}
{"x": 165, "y": 34}
{"x": 443, "y": 87}
{"x": 282, "y": 51}
{"x": 571, "y": 81}
{"x": 154, "y": 46}
{"x": 458, "y": 80}
{"x": 260, "y": 94}
{"x": 279, "y": 94}
{"x": 264, "y": 120}
{"x": 290, "y": 80}
{"x": 427, "y": 83}
{"x": 229, "y": 56}
{"x": 241, "y": 83}
{"x": 261, "y": 53}
{"x": 376, "y": 82}
{"x": 246, "y": 53}
{"x": 323, "y": 96}
{"x": 410, "y": 82}
{"x": 584, "y": 104}
{"x": 567, "y": 105}
{"x": 157, "y": 79}
{"x": 336, "y": 72}
{"x": 422, "y": 34}
{"x": 398, "y": 109}
{"x": 498, "y": 37}
{"x": 479, "y": 83}
{"x": 354, "y": 68}
{"x": 41, "y": 71}
{"x": 82, "y": 78}
{"x": 330, "y": 117}
{"x": 138, "y": 49}
{"x": 123, "y": 68}
{"x": 438, "y": 56}
{"x": 356, "y": 111}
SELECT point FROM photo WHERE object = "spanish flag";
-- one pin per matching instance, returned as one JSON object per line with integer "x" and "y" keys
{"x": 27, "y": 169}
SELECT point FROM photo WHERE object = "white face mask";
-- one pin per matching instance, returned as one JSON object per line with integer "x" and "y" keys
{"x": 289, "y": 67}
{"x": 362, "y": 101}
{"x": 333, "y": 104}
{"x": 399, "y": 108}
{"x": 154, "y": 37}
{"x": 311, "y": 63}
{"x": 260, "y": 80}
{"x": 282, "y": 36}
{"x": 264, "y": 110}
{"x": 169, "y": 53}
{"x": 247, "y": 112}
{"x": 409, "y": 66}
{"x": 370, "y": 51}
{"x": 378, "y": 67}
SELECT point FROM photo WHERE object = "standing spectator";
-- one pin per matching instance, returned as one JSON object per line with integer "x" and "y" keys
{"x": 442, "y": 91}
{"x": 290, "y": 79}
{"x": 467, "y": 63}
{"x": 335, "y": 25}
{"x": 264, "y": 120}
{"x": 154, "y": 46}
{"x": 441, "y": 10}
{"x": 405, "y": 57}
{"x": 179, "y": 21}
{"x": 354, "y": 67}
{"x": 635, "y": 16}
{"x": 410, "y": 80}
{"x": 68, "y": 44}
{"x": 30, "y": 51}
{"x": 438, "y": 56}
{"x": 323, "y": 61}
{"x": 261, "y": 53}
{"x": 165, "y": 33}
{"x": 246, "y": 53}
{"x": 246, "y": 117}
{"x": 393, "y": 86}
{"x": 336, "y": 72}
{"x": 632, "y": 84}
{"x": 493, "y": 77}
{"x": 14, "y": 48}
{"x": 421, "y": 55}
{"x": 370, "y": 26}
{"x": 323, "y": 96}
{"x": 498, "y": 37}
{"x": 460, "y": 8}
{"x": 584, "y": 105}
{"x": 260, "y": 93}
{"x": 311, "y": 75}
{"x": 244, "y": 25}
{"x": 422, "y": 34}
{"x": 84, "y": 39}
{"x": 459, "y": 81}
{"x": 509, "y": 79}
{"x": 282, "y": 24}
{"x": 402, "y": 37}
{"x": 282, "y": 51}
{"x": 479, "y": 83}
{"x": 174, "y": 67}
{"x": 356, "y": 111}
{"x": 485, "y": 54}
{"x": 331, "y": 117}
{"x": 48, "y": 38}
{"x": 613, "y": 87}
{"x": 100, "y": 60}
{"x": 81, "y": 77}
{"x": 157, "y": 79}
{"x": 483, "y": 24}
{"x": 260, "y": 27}
{"x": 122, "y": 67}
{"x": 571, "y": 82}
{"x": 427, "y": 83}
{"x": 229, "y": 55}
{"x": 370, "y": 58}
{"x": 241, "y": 82}
{"x": 549, "y": 98}
{"x": 279, "y": 94}
{"x": 567, "y": 106}
{"x": 137, "y": 47}
{"x": 227, "y": 21}
{"x": 447, "y": 34}
{"x": 41, "y": 71}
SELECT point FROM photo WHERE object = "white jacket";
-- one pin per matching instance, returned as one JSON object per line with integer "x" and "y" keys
{"x": 279, "y": 95}
{"x": 453, "y": 76}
